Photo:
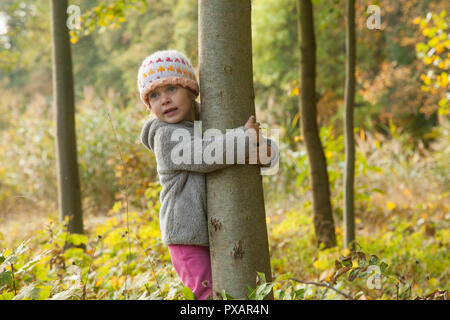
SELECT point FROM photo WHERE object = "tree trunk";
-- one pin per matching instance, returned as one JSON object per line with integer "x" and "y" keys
{"x": 323, "y": 218}
{"x": 69, "y": 198}
{"x": 349, "y": 173}
{"x": 235, "y": 199}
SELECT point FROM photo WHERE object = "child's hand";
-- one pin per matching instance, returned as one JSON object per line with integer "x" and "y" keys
{"x": 266, "y": 156}
{"x": 255, "y": 131}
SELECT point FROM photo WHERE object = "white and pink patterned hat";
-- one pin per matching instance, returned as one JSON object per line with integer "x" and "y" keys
{"x": 165, "y": 67}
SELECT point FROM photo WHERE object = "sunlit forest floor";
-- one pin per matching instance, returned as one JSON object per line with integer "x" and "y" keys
{"x": 402, "y": 220}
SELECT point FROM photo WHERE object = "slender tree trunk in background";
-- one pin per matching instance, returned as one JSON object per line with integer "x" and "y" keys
{"x": 235, "y": 199}
{"x": 69, "y": 197}
{"x": 349, "y": 95}
{"x": 323, "y": 218}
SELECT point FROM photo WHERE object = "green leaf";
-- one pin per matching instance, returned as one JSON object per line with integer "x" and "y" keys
{"x": 346, "y": 261}
{"x": 283, "y": 277}
{"x": 378, "y": 190}
{"x": 77, "y": 239}
{"x": 262, "y": 276}
{"x": 251, "y": 293}
{"x": 226, "y": 296}
{"x": 6, "y": 278}
{"x": 300, "y": 293}
{"x": 7, "y": 296}
{"x": 353, "y": 274}
{"x": 361, "y": 259}
{"x": 281, "y": 295}
{"x": 45, "y": 292}
{"x": 364, "y": 274}
{"x": 373, "y": 260}
{"x": 188, "y": 294}
{"x": 29, "y": 265}
{"x": 383, "y": 267}
{"x": 262, "y": 291}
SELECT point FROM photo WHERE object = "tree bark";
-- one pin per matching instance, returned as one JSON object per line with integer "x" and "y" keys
{"x": 349, "y": 95}
{"x": 69, "y": 195}
{"x": 235, "y": 198}
{"x": 323, "y": 218}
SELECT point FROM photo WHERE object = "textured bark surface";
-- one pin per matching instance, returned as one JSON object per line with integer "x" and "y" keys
{"x": 323, "y": 218}
{"x": 349, "y": 96}
{"x": 235, "y": 199}
{"x": 69, "y": 198}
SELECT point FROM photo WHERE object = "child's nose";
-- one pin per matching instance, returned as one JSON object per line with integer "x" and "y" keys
{"x": 165, "y": 97}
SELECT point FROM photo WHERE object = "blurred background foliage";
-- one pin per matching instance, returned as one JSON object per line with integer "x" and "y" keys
{"x": 401, "y": 125}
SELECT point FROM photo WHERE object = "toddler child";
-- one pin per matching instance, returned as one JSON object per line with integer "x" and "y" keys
{"x": 168, "y": 87}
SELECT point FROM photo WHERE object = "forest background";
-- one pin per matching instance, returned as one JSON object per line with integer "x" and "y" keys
{"x": 401, "y": 130}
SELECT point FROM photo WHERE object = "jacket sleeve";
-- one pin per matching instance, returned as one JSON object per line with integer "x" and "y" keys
{"x": 184, "y": 151}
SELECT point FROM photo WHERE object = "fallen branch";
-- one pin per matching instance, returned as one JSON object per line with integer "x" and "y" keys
{"x": 323, "y": 285}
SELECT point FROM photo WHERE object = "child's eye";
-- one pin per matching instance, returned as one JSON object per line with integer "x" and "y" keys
{"x": 173, "y": 88}
{"x": 153, "y": 95}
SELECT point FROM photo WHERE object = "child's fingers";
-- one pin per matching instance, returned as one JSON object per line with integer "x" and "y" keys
{"x": 267, "y": 154}
{"x": 256, "y": 135}
{"x": 252, "y": 120}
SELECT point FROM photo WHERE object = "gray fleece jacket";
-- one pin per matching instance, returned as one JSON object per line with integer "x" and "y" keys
{"x": 182, "y": 215}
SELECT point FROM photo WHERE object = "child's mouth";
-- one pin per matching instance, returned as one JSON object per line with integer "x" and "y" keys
{"x": 171, "y": 111}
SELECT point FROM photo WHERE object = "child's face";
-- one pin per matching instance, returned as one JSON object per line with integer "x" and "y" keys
{"x": 171, "y": 104}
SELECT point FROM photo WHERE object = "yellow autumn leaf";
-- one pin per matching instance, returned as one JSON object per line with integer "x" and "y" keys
{"x": 429, "y": 60}
{"x": 433, "y": 42}
{"x": 362, "y": 134}
{"x": 439, "y": 48}
{"x": 114, "y": 281}
{"x": 433, "y": 282}
{"x": 321, "y": 264}
{"x": 390, "y": 205}
{"x": 444, "y": 78}
{"x": 99, "y": 282}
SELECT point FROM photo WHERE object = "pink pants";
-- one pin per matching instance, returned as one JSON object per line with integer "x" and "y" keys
{"x": 193, "y": 266}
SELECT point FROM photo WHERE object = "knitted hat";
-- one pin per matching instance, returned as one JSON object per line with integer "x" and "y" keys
{"x": 165, "y": 67}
